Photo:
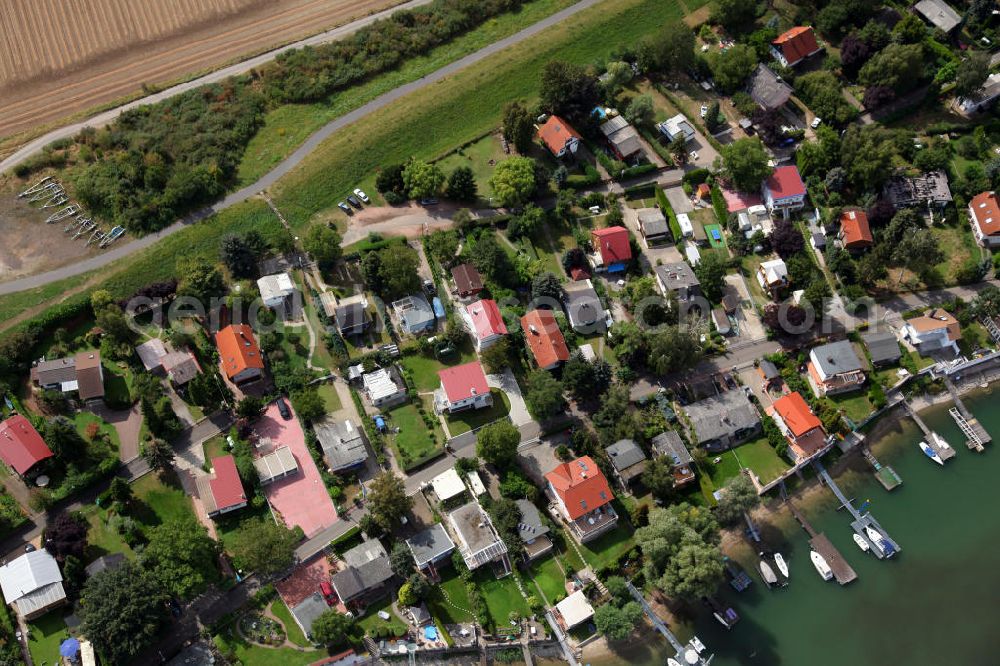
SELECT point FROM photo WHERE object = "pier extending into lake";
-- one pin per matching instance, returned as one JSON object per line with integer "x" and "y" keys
{"x": 931, "y": 438}
{"x": 975, "y": 433}
{"x": 842, "y": 571}
{"x": 884, "y": 546}
{"x": 692, "y": 653}
{"x": 885, "y": 474}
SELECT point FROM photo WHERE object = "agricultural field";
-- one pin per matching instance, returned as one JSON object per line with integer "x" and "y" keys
{"x": 71, "y": 57}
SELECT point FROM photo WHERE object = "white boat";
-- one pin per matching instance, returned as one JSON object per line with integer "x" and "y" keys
{"x": 862, "y": 544}
{"x": 822, "y": 568}
{"x": 779, "y": 560}
{"x": 875, "y": 536}
{"x": 930, "y": 452}
{"x": 940, "y": 443}
{"x": 767, "y": 573}
{"x": 672, "y": 662}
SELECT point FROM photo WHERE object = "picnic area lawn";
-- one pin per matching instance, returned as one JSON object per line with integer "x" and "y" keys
{"x": 501, "y": 596}
{"x": 423, "y": 368}
{"x": 549, "y": 578}
{"x": 449, "y": 603}
{"x": 44, "y": 636}
{"x": 476, "y": 418}
{"x": 292, "y": 629}
{"x": 415, "y": 443}
{"x": 607, "y": 548}
{"x": 371, "y": 620}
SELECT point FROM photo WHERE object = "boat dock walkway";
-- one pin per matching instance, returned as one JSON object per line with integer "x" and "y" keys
{"x": 842, "y": 571}
{"x": 885, "y": 474}
{"x": 686, "y": 654}
{"x": 975, "y": 433}
{"x": 861, "y": 521}
{"x": 932, "y": 439}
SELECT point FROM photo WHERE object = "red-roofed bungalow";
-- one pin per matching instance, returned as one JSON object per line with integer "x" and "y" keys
{"x": 559, "y": 137}
{"x": 21, "y": 447}
{"x": 794, "y": 46}
{"x": 784, "y": 190}
{"x": 485, "y": 322}
{"x": 223, "y": 491}
{"x": 584, "y": 498}
{"x": 462, "y": 387}
{"x": 612, "y": 250}
{"x": 799, "y": 425}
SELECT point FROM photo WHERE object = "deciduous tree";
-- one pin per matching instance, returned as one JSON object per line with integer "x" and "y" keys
{"x": 680, "y": 551}
{"x": 422, "y": 180}
{"x": 322, "y": 242}
{"x": 745, "y": 164}
{"x": 181, "y": 557}
{"x": 568, "y": 90}
{"x": 262, "y": 546}
{"x": 544, "y": 396}
{"x": 518, "y": 125}
{"x": 513, "y": 180}
{"x": 387, "y": 499}
{"x": 497, "y": 443}
{"x": 738, "y": 496}
{"x": 122, "y": 610}
{"x": 65, "y": 535}
{"x": 332, "y": 628}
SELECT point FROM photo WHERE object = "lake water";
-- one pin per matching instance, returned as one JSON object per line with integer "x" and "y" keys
{"x": 935, "y": 603}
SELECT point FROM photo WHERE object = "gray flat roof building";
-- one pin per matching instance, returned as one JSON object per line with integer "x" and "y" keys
{"x": 342, "y": 444}
{"x": 307, "y": 610}
{"x": 625, "y": 453}
{"x": 767, "y": 88}
{"x": 836, "y": 358}
{"x": 883, "y": 347}
{"x": 430, "y": 545}
{"x": 939, "y": 14}
{"x": 930, "y": 188}
{"x": 723, "y": 420}
{"x": 678, "y": 277}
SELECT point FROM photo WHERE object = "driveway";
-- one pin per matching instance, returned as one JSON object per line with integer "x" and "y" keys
{"x": 127, "y": 423}
{"x": 508, "y": 384}
{"x": 751, "y": 327}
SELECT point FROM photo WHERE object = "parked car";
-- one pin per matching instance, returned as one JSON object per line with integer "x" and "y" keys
{"x": 704, "y": 110}
{"x": 429, "y": 202}
{"x": 283, "y": 409}
{"x": 361, "y": 195}
{"x": 29, "y": 548}
{"x": 344, "y": 207}
{"x": 816, "y": 122}
{"x": 328, "y": 594}
{"x": 353, "y": 200}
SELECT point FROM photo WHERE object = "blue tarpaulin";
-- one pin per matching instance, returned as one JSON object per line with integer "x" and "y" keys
{"x": 69, "y": 648}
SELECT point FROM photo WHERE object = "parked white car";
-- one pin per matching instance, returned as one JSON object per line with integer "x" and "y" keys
{"x": 704, "y": 110}
{"x": 361, "y": 195}
{"x": 816, "y": 122}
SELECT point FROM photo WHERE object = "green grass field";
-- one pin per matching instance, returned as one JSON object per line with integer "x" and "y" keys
{"x": 371, "y": 620}
{"x": 44, "y": 636}
{"x": 255, "y": 655}
{"x": 414, "y": 444}
{"x": 330, "y": 397}
{"x": 292, "y": 629}
{"x": 84, "y": 419}
{"x": 435, "y": 120}
{"x": 476, "y": 418}
{"x": 447, "y": 598}
{"x": 547, "y": 575}
{"x": 606, "y": 549}
{"x": 501, "y": 596}
{"x": 855, "y": 405}
{"x": 757, "y": 455}
{"x": 424, "y": 368}
{"x": 477, "y": 157}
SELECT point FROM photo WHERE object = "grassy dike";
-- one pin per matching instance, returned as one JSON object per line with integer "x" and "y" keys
{"x": 434, "y": 120}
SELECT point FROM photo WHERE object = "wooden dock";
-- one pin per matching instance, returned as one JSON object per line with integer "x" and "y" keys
{"x": 861, "y": 522}
{"x": 842, "y": 571}
{"x": 885, "y": 474}
{"x": 934, "y": 440}
{"x": 975, "y": 433}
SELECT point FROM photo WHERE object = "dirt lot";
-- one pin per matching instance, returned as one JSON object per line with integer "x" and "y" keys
{"x": 65, "y": 57}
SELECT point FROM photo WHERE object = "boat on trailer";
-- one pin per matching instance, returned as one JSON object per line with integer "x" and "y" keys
{"x": 115, "y": 234}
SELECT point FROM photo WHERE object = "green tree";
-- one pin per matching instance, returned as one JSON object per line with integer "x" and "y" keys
{"x": 987, "y": 301}
{"x": 387, "y": 499}
{"x": 629, "y": 343}
{"x": 711, "y": 272}
{"x": 731, "y": 68}
{"x": 199, "y": 278}
{"x": 308, "y": 404}
{"x": 422, "y": 180}
{"x": 63, "y": 439}
{"x": 496, "y": 357}
{"x": 401, "y": 560}
{"x": 238, "y": 256}
{"x": 461, "y": 184}
{"x": 546, "y": 286}
{"x": 332, "y": 628}
{"x": 918, "y": 251}
{"x": 673, "y": 349}
{"x": 733, "y": 14}
{"x": 497, "y": 443}
{"x": 658, "y": 478}
{"x": 640, "y": 111}
{"x": 518, "y": 125}
{"x": 525, "y": 224}
{"x": 513, "y": 180}
{"x": 544, "y": 396}
{"x": 897, "y": 66}
{"x": 671, "y": 50}
{"x": 618, "y": 623}
{"x": 322, "y": 242}
{"x": 181, "y": 557}
{"x": 158, "y": 454}
{"x": 738, "y": 497}
{"x": 122, "y": 610}
{"x": 745, "y": 164}
{"x": 615, "y": 419}
{"x": 262, "y": 546}
{"x": 909, "y": 30}
{"x": 442, "y": 245}
{"x": 680, "y": 551}
{"x": 568, "y": 90}
{"x": 250, "y": 407}
{"x": 583, "y": 379}
{"x": 617, "y": 75}
{"x": 822, "y": 92}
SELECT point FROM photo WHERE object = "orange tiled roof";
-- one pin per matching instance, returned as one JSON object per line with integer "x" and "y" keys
{"x": 556, "y": 132}
{"x": 580, "y": 485}
{"x": 855, "y": 229}
{"x": 797, "y": 43}
{"x": 544, "y": 338}
{"x": 238, "y": 350}
{"x": 986, "y": 212}
{"x": 794, "y": 411}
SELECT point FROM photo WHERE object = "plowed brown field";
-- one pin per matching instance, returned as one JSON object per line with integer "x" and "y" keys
{"x": 59, "y": 57}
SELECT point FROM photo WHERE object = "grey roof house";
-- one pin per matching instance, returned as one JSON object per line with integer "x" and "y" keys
{"x": 105, "y": 562}
{"x": 414, "y": 313}
{"x": 653, "y": 225}
{"x": 939, "y": 14}
{"x": 430, "y": 547}
{"x": 342, "y": 443}
{"x": 366, "y": 572}
{"x": 32, "y": 584}
{"x": 533, "y": 532}
{"x": 883, "y": 347}
{"x": 583, "y": 307}
{"x": 678, "y": 278}
{"x": 930, "y": 188}
{"x": 477, "y": 539}
{"x": 351, "y": 315}
{"x": 669, "y": 444}
{"x": 628, "y": 461}
{"x": 306, "y": 611}
{"x": 768, "y": 89}
{"x": 723, "y": 421}
{"x": 835, "y": 368}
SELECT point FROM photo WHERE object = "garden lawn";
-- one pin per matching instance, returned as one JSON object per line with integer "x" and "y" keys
{"x": 477, "y": 156}
{"x": 414, "y": 444}
{"x": 424, "y": 367}
{"x": 255, "y": 655}
{"x": 757, "y": 455}
{"x": 501, "y": 596}
{"x": 447, "y": 598}
{"x": 476, "y": 418}
{"x": 215, "y": 447}
{"x": 371, "y": 620}
{"x": 331, "y": 399}
{"x": 957, "y": 245}
{"x": 164, "y": 500}
{"x": 292, "y": 629}
{"x": 463, "y": 106}
{"x": 549, "y": 578}
{"x": 44, "y": 636}
{"x": 855, "y": 404}
{"x": 84, "y": 419}
{"x": 606, "y": 549}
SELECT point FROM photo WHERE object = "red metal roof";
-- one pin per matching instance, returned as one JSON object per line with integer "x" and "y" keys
{"x": 579, "y": 273}
{"x": 797, "y": 43}
{"x": 21, "y": 447}
{"x": 486, "y": 318}
{"x": 612, "y": 244}
{"x": 785, "y": 182}
{"x": 794, "y": 411}
{"x": 464, "y": 381}
{"x": 986, "y": 212}
{"x": 581, "y": 486}
{"x": 737, "y": 201}
{"x": 555, "y": 133}
{"x": 238, "y": 350}
{"x": 227, "y": 489}
{"x": 855, "y": 229}
{"x": 544, "y": 338}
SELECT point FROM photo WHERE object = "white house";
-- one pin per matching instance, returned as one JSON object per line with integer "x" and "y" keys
{"x": 676, "y": 127}
{"x": 935, "y": 330}
{"x": 274, "y": 289}
{"x": 784, "y": 190}
{"x": 477, "y": 539}
{"x": 772, "y": 275}
{"x": 485, "y": 323}
{"x": 984, "y": 216}
{"x": 462, "y": 387}
{"x": 32, "y": 584}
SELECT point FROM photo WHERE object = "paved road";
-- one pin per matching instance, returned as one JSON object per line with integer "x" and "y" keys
{"x": 242, "y": 67}
{"x": 121, "y": 251}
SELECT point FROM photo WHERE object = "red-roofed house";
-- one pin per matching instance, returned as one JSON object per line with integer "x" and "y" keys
{"x": 583, "y": 498}
{"x": 794, "y": 46}
{"x": 544, "y": 338}
{"x": 855, "y": 233}
{"x": 223, "y": 491}
{"x": 984, "y": 215}
{"x": 612, "y": 250}
{"x": 239, "y": 356}
{"x": 737, "y": 202}
{"x": 21, "y": 447}
{"x": 799, "y": 425}
{"x": 784, "y": 190}
{"x": 485, "y": 322}
{"x": 559, "y": 136}
{"x": 462, "y": 387}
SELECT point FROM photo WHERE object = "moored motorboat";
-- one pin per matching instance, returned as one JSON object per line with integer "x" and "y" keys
{"x": 822, "y": 568}
{"x": 672, "y": 662}
{"x": 862, "y": 544}
{"x": 766, "y": 572}
{"x": 724, "y": 615}
{"x": 738, "y": 578}
{"x": 930, "y": 452}
{"x": 779, "y": 561}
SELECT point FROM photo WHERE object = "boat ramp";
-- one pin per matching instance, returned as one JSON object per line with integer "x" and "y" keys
{"x": 883, "y": 547}
{"x": 975, "y": 433}
{"x": 692, "y": 654}
{"x": 934, "y": 440}
{"x": 842, "y": 571}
